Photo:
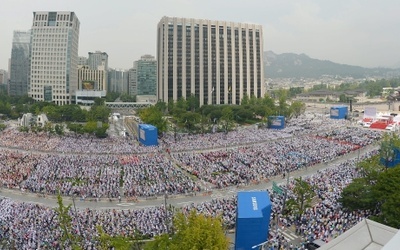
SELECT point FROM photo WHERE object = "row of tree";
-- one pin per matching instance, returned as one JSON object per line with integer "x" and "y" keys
{"x": 187, "y": 115}
{"x": 377, "y": 190}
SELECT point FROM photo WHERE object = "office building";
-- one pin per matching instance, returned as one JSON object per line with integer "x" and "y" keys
{"x": 97, "y": 59}
{"x": 19, "y": 63}
{"x": 117, "y": 81}
{"x": 82, "y": 61}
{"x": 90, "y": 79}
{"x": 3, "y": 76}
{"x": 219, "y": 62}
{"x": 132, "y": 81}
{"x": 54, "y": 57}
{"x": 146, "y": 75}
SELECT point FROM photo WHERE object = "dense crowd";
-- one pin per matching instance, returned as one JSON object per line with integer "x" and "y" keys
{"x": 87, "y": 144}
{"x": 100, "y": 168}
{"x": 259, "y": 162}
{"x": 31, "y": 226}
{"x": 154, "y": 174}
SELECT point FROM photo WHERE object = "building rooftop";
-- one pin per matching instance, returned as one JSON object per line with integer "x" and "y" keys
{"x": 366, "y": 235}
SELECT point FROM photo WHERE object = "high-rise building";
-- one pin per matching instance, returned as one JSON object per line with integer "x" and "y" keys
{"x": 219, "y": 62}
{"x": 19, "y": 63}
{"x": 54, "y": 57}
{"x": 97, "y": 59}
{"x": 146, "y": 75}
{"x": 82, "y": 61}
{"x": 132, "y": 81}
{"x": 117, "y": 81}
{"x": 3, "y": 76}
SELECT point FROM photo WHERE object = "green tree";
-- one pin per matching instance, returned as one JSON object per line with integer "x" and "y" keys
{"x": 245, "y": 100}
{"x": 298, "y": 108}
{"x": 48, "y": 127}
{"x": 152, "y": 115}
{"x": 98, "y": 113}
{"x": 68, "y": 238}
{"x": 189, "y": 120}
{"x": 193, "y": 102}
{"x": 195, "y": 232}
{"x": 358, "y": 195}
{"x": 227, "y": 118}
{"x": 59, "y": 129}
{"x": 181, "y": 104}
{"x": 2, "y": 126}
{"x": 161, "y": 106}
{"x": 303, "y": 195}
{"x": 389, "y": 143}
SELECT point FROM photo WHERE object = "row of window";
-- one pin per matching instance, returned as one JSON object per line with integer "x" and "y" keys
{"x": 38, "y": 31}
{"x": 59, "y": 24}
{"x": 44, "y": 17}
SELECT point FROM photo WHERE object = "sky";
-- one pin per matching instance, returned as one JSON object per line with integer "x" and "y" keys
{"x": 355, "y": 32}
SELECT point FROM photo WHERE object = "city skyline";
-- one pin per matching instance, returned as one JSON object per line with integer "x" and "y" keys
{"x": 353, "y": 32}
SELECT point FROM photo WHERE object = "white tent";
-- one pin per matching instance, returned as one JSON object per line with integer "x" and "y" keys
{"x": 366, "y": 235}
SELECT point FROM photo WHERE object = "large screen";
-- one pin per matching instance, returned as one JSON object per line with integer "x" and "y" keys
{"x": 334, "y": 112}
{"x": 276, "y": 122}
{"x": 88, "y": 85}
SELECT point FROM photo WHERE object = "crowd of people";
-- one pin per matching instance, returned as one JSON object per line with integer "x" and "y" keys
{"x": 87, "y": 144}
{"x": 154, "y": 174}
{"x": 32, "y": 226}
{"x": 89, "y": 167}
{"x": 244, "y": 165}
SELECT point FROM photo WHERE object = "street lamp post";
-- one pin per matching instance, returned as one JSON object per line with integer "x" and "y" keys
{"x": 166, "y": 212}
{"x": 261, "y": 245}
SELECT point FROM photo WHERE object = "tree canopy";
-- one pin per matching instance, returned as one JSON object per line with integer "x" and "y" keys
{"x": 193, "y": 231}
{"x": 378, "y": 189}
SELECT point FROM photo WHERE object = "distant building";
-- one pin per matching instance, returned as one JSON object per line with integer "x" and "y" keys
{"x": 97, "y": 59}
{"x": 90, "y": 79}
{"x": 19, "y": 63}
{"x": 29, "y": 119}
{"x": 54, "y": 57}
{"x": 219, "y": 62}
{"x": 117, "y": 81}
{"x": 92, "y": 84}
{"x": 147, "y": 75}
{"x": 319, "y": 95}
{"x": 132, "y": 81}
{"x": 3, "y": 81}
{"x": 3, "y": 76}
{"x": 82, "y": 61}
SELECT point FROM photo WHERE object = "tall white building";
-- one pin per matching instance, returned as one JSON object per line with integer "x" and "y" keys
{"x": 54, "y": 57}
{"x": 217, "y": 61}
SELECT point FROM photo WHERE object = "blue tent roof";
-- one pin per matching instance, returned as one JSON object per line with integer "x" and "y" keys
{"x": 252, "y": 204}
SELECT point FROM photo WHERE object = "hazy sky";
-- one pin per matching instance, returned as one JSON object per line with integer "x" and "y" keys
{"x": 356, "y": 32}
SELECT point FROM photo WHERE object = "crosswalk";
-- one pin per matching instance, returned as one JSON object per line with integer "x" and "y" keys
{"x": 289, "y": 236}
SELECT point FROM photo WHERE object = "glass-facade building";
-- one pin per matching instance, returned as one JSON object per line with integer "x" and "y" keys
{"x": 146, "y": 75}
{"x": 117, "y": 80}
{"x": 219, "y": 62}
{"x": 54, "y": 57}
{"x": 19, "y": 63}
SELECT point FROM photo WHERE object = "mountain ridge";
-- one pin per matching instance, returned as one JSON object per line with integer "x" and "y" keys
{"x": 291, "y": 65}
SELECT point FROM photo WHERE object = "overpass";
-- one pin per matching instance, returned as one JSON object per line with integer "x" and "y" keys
{"x": 127, "y": 105}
